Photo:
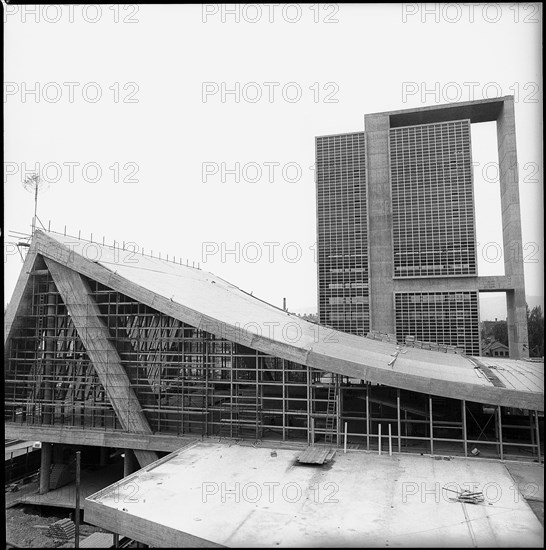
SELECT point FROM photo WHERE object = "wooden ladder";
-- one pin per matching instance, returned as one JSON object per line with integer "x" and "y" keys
{"x": 331, "y": 409}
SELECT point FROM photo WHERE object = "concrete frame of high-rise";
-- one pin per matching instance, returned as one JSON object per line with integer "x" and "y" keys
{"x": 396, "y": 226}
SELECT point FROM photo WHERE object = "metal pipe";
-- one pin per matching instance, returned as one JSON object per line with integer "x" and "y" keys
{"x": 379, "y": 438}
{"x": 345, "y": 439}
{"x": 465, "y": 441}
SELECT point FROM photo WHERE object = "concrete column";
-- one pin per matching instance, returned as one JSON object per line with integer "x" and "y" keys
{"x": 518, "y": 339}
{"x": 128, "y": 463}
{"x": 379, "y": 223}
{"x": 103, "y": 456}
{"x": 45, "y": 467}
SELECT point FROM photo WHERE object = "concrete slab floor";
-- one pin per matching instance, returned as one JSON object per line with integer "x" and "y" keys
{"x": 243, "y": 496}
{"x": 530, "y": 482}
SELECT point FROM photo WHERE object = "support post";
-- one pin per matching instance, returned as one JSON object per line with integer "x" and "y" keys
{"x": 50, "y": 346}
{"x": 312, "y": 431}
{"x": 430, "y": 421}
{"x": 309, "y": 405}
{"x": 390, "y": 441}
{"x": 532, "y": 428}
{"x": 45, "y": 467}
{"x": 103, "y": 456}
{"x": 398, "y": 420}
{"x": 367, "y": 416}
{"x": 499, "y": 411}
{"x": 379, "y": 438}
{"x": 537, "y": 436}
{"x": 77, "y": 511}
{"x": 406, "y": 426}
{"x": 128, "y": 467}
{"x": 465, "y": 441}
{"x": 345, "y": 440}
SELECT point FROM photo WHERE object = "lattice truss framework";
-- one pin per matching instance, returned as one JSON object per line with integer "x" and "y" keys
{"x": 187, "y": 381}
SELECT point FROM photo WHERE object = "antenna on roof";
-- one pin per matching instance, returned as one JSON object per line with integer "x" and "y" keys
{"x": 33, "y": 184}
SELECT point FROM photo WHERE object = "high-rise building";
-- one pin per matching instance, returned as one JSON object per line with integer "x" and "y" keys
{"x": 343, "y": 232}
{"x": 396, "y": 226}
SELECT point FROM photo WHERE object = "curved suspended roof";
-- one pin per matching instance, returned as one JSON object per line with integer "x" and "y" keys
{"x": 204, "y": 300}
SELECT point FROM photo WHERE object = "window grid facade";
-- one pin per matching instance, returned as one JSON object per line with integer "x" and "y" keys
{"x": 441, "y": 317}
{"x": 342, "y": 235}
{"x": 432, "y": 200}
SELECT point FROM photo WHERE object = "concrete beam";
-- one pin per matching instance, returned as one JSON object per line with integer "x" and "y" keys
{"x": 70, "y": 435}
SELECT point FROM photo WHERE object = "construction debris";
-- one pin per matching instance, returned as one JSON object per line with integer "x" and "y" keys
{"x": 466, "y": 496}
{"x": 63, "y": 529}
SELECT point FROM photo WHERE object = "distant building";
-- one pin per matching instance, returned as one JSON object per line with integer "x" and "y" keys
{"x": 495, "y": 349}
{"x": 396, "y": 226}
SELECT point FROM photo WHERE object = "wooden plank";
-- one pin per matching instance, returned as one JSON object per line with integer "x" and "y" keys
{"x": 489, "y": 374}
{"x": 85, "y": 315}
{"x": 315, "y": 455}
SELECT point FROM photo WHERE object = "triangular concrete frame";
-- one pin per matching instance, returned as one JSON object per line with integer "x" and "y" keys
{"x": 109, "y": 370}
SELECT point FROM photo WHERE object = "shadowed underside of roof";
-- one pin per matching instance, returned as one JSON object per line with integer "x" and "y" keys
{"x": 206, "y": 301}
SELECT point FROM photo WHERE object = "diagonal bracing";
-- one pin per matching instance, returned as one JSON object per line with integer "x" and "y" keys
{"x": 94, "y": 335}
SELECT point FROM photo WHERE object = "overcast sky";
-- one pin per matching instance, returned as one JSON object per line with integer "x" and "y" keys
{"x": 189, "y": 130}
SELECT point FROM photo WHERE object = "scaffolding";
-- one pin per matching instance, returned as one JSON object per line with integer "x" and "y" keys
{"x": 188, "y": 381}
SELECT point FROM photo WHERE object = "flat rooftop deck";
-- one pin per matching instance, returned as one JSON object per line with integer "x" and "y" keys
{"x": 232, "y": 495}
